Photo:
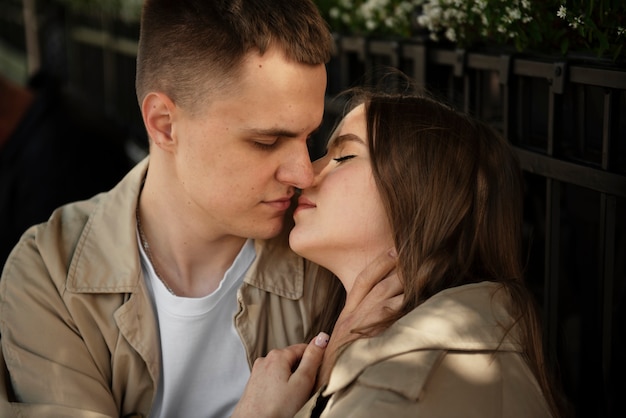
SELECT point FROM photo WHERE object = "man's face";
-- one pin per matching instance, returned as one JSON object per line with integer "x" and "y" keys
{"x": 241, "y": 157}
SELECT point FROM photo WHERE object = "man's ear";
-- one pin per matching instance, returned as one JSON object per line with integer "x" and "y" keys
{"x": 158, "y": 112}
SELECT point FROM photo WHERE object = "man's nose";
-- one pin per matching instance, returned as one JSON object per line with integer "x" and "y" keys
{"x": 297, "y": 170}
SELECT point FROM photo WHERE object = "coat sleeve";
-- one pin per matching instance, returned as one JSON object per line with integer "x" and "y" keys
{"x": 48, "y": 368}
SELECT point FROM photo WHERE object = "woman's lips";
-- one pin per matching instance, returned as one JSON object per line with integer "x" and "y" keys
{"x": 304, "y": 203}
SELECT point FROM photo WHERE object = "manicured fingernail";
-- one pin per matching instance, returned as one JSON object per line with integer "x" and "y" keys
{"x": 322, "y": 339}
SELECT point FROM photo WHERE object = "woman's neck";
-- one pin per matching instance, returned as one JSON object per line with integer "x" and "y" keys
{"x": 349, "y": 267}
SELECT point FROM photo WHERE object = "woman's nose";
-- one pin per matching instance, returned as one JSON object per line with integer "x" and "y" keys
{"x": 318, "y": 170}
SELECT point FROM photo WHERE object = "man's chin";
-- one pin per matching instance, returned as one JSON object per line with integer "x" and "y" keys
{"x": 273, "y": 230}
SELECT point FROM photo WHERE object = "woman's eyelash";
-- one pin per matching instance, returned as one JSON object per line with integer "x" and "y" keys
{"x": 345, "y": 158}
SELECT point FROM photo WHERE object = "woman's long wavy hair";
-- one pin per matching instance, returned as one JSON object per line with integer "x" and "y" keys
{"x": 453, "y": 192}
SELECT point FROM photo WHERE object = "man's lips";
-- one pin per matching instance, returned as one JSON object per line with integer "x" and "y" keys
{"x": 280, "y": 204}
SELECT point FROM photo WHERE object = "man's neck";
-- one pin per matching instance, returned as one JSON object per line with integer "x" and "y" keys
{"x": 186, "y": 257}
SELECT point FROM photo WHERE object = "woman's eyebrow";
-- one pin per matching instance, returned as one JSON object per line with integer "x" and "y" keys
{"x": 338, "y": 140}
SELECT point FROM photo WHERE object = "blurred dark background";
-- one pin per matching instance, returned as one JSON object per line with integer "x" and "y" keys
{"x": 565, "y": 116}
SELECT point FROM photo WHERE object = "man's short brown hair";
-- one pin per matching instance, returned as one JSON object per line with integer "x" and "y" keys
{"x": 188, "y": 48}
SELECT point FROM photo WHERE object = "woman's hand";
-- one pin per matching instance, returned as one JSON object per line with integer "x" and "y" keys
{"x": 376, "y": 292}
{"x": 282, "y": 382}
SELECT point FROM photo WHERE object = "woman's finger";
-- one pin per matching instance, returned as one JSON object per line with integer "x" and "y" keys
{"x": 311, "y": 360}
{"x": 370, "y": 277}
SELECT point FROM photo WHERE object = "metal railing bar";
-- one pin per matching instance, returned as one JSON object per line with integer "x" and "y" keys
{"x": 467, "y": 83}
{"x": 530, "y": 68}
{"x": 608, "y": 215}
{"x": 553, "y": 228}
{"x": 552, "y": 99}
{"x": 354, "y": 44}
{"x": 580, "y": 103}
{"x": 551, "y": 268}
{"x": 567, "y": 172}
{"x": 598, "y": 77}
{"x": 104, "y": 40}
{"x": 506, "y": 110}
{"x": 601, "y": 77}
{"x": 417, "y": 55}
{"x": 607, "y": 120}
{"x": 477, "y": 100}
{"x": 442, "y": 56}
{"x": 483, "y": 62}
{"x": 386, "y": 48}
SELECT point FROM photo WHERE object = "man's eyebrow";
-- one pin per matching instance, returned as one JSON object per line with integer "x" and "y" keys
{"x": 276, "y": 132}
{"x": 338, "y": 140}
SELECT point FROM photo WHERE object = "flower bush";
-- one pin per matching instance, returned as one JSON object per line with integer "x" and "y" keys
{"x": 365, "y": 17}
{"x": 563, "y": 26}
{"x": 597, "y": 26}
{"x": 472, "y": 22}
{"x": 600, "y": 25}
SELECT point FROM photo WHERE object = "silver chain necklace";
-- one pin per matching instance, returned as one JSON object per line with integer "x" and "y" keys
{"x": 146, "y": 248}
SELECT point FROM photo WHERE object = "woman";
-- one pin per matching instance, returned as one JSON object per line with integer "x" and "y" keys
{"x": 446, "y": 192}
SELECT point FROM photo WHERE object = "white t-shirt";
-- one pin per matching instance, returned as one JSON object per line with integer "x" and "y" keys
{"x": 204, "y": 365}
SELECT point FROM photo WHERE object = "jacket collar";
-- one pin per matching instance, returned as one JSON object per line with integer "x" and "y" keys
{"x": 102, "y": 261}
{"x": 277, "y": 269}
{"x": 472, "y": 317}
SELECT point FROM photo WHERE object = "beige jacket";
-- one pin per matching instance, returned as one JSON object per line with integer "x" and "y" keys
{"x": 447, "y": 358}
{"x": 78, "y": 331}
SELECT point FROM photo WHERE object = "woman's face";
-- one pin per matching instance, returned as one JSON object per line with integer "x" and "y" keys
{"x": 340, "y": 221}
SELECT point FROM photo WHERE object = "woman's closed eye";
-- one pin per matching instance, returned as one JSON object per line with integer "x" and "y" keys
{"x": 344, "y": 158}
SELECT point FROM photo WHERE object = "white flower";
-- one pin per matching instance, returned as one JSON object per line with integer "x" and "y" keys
{"x": 346, "y": 4}
{"x": 404, "y": 9}
{"x": 579, "y": 20}
{"x": 434, "y": 12}
{"x": 366, "y": 11}
{"x": 451, "y": 34}
{"x": 514, "y": 14}
{"x": 423, "y": 21}
{"x": 562, "y": 13}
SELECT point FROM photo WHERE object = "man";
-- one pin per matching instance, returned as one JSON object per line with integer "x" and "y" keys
{"x": 124, "y": 304}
